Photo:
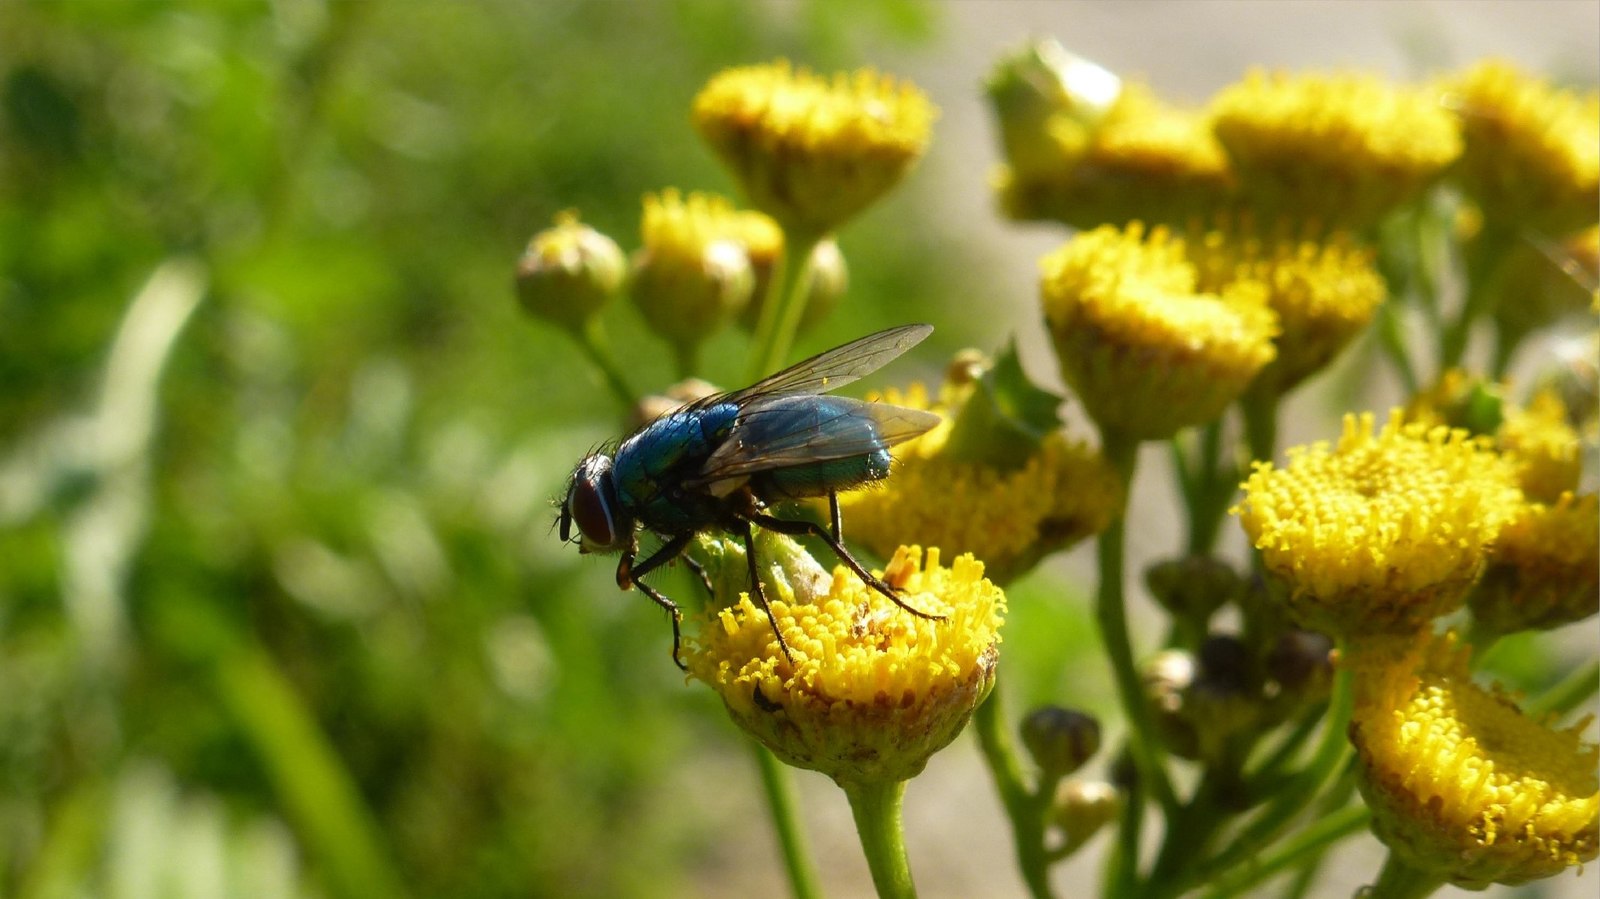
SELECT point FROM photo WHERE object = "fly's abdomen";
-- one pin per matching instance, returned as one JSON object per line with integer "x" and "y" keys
{"x": 821, "y": 478}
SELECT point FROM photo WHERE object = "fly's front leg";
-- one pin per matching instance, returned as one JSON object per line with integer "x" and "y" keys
{"x": 628, "y": 576}
{"x": 760, "y": 592}
{"x": 812, "y": 529}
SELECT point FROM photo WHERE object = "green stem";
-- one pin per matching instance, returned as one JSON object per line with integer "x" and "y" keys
{"x": 784, "y": 306}
{"x": 591, "y": 339}
{"x": 779, "y": 788}
{"x": 1260, "y": 406}
{"x": 1399, "y": 880}
{"x": 1485, "y": 266}
{"x": 687, "y": 358}
{"x": 1111, "y": 614}
{"x": 1207, "y": 488}
{"x": 1024, "y": 807}
{"x": 877, "y": 810}
{"x": 1312, "y": 841}
{"x": 1392, "y": 338}
{"x": 1573, "y": 690}
{"x": 1293, "y": 798}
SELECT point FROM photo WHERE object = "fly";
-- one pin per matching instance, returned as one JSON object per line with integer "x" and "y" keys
{"x": 720, "y": 462}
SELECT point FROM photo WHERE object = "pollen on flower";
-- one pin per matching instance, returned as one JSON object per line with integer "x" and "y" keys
{"x": 1324, "y": 291}
{"x": 1344, "y": 148}
{"x": 1461, "y": 783}
{"x": 873, "y": 690}
{"x": 1383, "y": 532}
{"x": 809, "y": 150}
{"x": 1010, "y": 518}
{"x": 1142, "y": 347}
{"x": 1531, "y": 155}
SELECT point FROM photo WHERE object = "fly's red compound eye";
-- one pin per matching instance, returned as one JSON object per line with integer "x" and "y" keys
{"x": 589, "y": 504}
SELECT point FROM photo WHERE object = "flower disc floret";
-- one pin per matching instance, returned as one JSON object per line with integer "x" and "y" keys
{"x": 1531, "y": 153}
{"x": 1545, "y": 571}
{"x": 1461, "y": 783}
{"x": 1344, "y": 148}
{"x": 809, "y": 150}
{"x": 1145, "y": 351}
{"x": 1010, "y": 518}
{"x": 873, "y": 690}
{"x": 1323, "y": 291}
{"x": 1383, "y": 532}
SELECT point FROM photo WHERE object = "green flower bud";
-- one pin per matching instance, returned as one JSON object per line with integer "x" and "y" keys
{"x": 568, "y": 272}
{"x": 1060, "y": 740}
{"x": 693, "y": 273}
{"x": 1193, "y": 588}
{"x": 1081, "y": 808}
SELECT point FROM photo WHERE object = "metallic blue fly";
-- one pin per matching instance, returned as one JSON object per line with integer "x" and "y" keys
{"x": 718, "y": 463}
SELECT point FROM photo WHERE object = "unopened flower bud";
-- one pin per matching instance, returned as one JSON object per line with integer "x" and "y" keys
{"x": 568, "y": 272}
{"x": 1299, "y": 670}
{"x": 692, "y": 274}
{"x": 1194, "y": 587}
{"x": 1167, "y": 677}
{"x": 1081, "y": 808}
{"x": 1060, "y": 740}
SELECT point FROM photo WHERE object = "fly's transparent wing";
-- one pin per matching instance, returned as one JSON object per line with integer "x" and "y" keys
{"x": 836, "y": 367}
{"x": 784, "y": 431}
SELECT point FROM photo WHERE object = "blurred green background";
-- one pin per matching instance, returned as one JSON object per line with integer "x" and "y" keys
{"x": 282, "y": 612}
{"x": 281, "y": 609}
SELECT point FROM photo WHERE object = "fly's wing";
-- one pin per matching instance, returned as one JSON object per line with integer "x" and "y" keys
{"x": 836, "y": 367}
{"x": 783, "y": 431}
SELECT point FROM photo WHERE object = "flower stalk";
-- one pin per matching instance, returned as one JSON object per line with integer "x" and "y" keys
{"x": 777, "y": 784}
{"x": 877, "y": 808}
{"x": 785, "y": 304}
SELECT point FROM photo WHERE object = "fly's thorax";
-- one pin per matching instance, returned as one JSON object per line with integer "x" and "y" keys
{"x": 604, "y": 523}
{"x": 821, "y": 478}
{"x": 656, "y": 468}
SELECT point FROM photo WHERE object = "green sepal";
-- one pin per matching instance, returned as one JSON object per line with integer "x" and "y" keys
{"x": 1004, "y": 415}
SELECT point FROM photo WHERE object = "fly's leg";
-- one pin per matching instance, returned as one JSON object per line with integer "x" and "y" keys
{"x": 628, "y": 576}
{"x": 700, "y": 572}
{"x": 834, "y": 516}
{"x": 812, "y": 529}
{"x": 760, "y": 592}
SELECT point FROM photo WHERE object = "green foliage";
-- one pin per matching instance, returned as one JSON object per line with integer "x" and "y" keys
{"x": 296, "y": 609}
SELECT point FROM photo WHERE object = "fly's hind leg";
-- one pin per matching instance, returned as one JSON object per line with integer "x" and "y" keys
{"x": 834, "y": 517}
{"x": 812, "y": 529}
{"x": 628, "y": 575}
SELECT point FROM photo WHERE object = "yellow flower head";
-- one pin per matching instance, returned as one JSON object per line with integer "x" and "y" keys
{"x": 692, "y": 274}
{"x": 1383, "y": 532}
{"x": 1145, "y": 351}
{"x": 1323, "y": 291}
{"x": 813, "y": 151}
{"x": 1010, "y": 517}
{"x": 1341, "y": 148}
{"x": 1545, "y": 570}
{"x": 1460, "y": 782}
{"x": 568, "y": 272}
{"x": 1543, "y": 445}
{"x": 874, "y": 691}
{"x": 1532, "y": 156}
{"x": 1144, "y": 161}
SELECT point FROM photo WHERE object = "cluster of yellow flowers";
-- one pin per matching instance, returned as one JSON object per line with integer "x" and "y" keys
{"x": 1224, "y": 256}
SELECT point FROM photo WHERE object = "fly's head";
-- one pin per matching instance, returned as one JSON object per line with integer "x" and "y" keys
{"x": 591, "y": 503}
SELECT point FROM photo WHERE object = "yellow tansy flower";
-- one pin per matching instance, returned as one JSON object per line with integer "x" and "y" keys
{"x": 1383, "y": 532}
{"x": 692, "y": 274}
{"x": 1532, "y": 155}
{"x": 1545, "y": 570}
{"x": 1323, "y": 291}
{"x": 568, "y": 272}
{"x": 1145, "y": 351}
{"x": 812, "y": 151}
{"x": 874, "y": 691}
{"x": 1341, "y": 148}
{"x": 1008, "y": 517}
{"x": 1461, "y": 784}
{"x": 1542, "y": 444}
{"x": 1144, "y": 161}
